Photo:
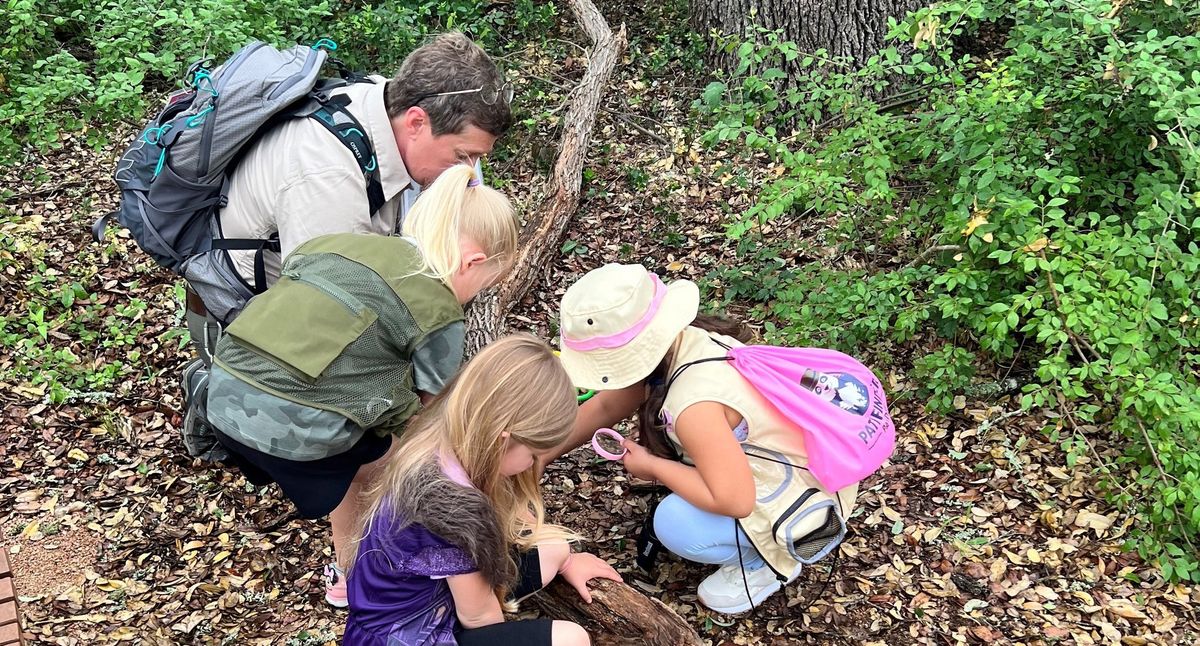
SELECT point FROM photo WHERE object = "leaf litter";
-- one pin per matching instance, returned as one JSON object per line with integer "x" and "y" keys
{"x": 975, "y": 532}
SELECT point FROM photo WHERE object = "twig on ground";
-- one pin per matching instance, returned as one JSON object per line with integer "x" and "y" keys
{"x": 630, "y": 122}
{"x": 621, "y": 116}
{"x": 48, "y": 190}
{"x": 929, "y": 252}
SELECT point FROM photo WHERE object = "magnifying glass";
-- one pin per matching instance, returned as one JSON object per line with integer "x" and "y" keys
{"x": 611, "y": 435}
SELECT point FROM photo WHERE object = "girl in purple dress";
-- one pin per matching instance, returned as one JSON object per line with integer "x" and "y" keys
{"x": 455, "y": 531}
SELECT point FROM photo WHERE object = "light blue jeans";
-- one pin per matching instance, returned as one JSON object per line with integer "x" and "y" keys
{"x": 701, "y": 536}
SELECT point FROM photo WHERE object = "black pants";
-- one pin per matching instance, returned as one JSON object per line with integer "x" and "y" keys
{"x": 528, "y": 632}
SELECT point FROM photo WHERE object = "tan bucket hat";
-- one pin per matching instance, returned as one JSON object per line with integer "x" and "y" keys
{"x": 618, "y": 322}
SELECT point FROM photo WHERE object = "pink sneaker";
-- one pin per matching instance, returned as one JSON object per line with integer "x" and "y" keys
{"x": 335, "y": 586}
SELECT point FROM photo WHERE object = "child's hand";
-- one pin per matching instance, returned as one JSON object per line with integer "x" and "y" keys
{"x": 638, "y": 461}
{"x": 582, "y": 567}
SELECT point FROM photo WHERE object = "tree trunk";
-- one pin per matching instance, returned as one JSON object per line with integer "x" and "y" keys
{"x": 617, "y": 616}
{"x": 851, "y": 28}
{"x": 546, "y": 226}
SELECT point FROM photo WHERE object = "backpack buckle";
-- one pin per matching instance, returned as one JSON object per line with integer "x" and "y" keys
{"x": 196, "y": 68}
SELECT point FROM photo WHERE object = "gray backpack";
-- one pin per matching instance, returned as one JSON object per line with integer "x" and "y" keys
{"x": 174, "y": 176}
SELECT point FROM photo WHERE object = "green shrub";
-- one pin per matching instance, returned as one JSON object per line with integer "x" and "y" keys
{"x": 943, "y": 375}
{"x": 67, "y": 63}
{"x": 1039, "y": 208}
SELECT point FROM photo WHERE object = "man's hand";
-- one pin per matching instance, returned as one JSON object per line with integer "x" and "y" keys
{"x": 582, "y": 567}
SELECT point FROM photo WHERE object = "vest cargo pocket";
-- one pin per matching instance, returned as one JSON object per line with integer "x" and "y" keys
{"x": 810, "y": 527}
{"x": 301, "y": 325}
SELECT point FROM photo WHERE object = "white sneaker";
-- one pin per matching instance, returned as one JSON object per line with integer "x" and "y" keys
{"x": 725, "y": 590}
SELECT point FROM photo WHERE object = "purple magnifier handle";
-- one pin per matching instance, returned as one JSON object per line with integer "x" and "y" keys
{"x": 608, "y": 455}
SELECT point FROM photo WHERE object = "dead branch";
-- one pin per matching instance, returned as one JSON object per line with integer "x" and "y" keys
{"x": 546, "y": 226}
{"x": 617, "y": 616}
{"x": 929, "y": 252}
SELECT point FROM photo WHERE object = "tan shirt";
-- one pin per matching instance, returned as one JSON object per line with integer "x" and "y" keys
{"x": 301, "y": 182}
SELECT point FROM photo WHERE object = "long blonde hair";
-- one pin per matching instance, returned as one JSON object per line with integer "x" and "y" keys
{"x": 514, "y": 385}
{"x": 451, "y": 209}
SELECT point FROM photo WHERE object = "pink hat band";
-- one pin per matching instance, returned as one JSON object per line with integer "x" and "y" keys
{"x": 618, "y": 339}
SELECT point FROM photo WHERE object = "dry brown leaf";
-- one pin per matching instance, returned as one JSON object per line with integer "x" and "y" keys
{"x": 1091, "y": 520}
{"x": 1124, "y": 608}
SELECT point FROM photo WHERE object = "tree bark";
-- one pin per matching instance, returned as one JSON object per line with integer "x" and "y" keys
{"x": 541, "y": 236}
{"x": 851, "y": 28}
{"x": 617, "y": 616}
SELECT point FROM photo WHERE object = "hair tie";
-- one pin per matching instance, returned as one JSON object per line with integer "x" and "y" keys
{"x": 473, "y": 182}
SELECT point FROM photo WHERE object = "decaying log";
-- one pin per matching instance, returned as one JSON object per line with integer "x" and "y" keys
{"x": 617, "y": 616}
{"x": 546, "y": 225}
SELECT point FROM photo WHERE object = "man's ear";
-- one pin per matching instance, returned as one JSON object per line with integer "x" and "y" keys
{"x": 413, "y": 120}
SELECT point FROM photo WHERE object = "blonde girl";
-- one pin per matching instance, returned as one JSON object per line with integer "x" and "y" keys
{"x": 319, "y": 372}
{"x": 455, "y": 526}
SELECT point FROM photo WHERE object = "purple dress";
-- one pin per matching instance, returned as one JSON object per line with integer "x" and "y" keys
{"x": 397, "y": 589}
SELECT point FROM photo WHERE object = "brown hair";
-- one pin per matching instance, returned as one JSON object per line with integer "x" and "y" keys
{"x": 450, "y": 62}
{"x": 651, "y": 430}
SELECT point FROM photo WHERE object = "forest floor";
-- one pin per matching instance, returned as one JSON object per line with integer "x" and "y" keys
{"x": 977, "y": 531}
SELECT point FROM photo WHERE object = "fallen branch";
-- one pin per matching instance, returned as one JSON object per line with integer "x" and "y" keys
{"x": 548, "y": 224}
{"x": 617, "y": 616}
{"x": 929, "y": 252}
{"x": 642, "y": 129}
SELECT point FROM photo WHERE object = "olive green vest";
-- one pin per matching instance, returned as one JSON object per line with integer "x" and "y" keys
{"x": 794, "y": 519}
{"x": 338, "y": 330}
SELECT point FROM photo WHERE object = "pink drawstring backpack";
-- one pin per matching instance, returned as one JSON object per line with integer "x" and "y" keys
{"x": 837, "y": 403}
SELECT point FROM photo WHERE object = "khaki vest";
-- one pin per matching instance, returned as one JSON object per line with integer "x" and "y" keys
{"x": 794, "y": 519}
{"x": 338, "y": 330}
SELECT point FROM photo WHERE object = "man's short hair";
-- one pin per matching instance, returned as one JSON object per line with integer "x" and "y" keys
{"x": 450, "y": 62}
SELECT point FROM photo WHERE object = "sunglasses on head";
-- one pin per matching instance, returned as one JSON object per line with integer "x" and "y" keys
{"x": 488, "y": 94}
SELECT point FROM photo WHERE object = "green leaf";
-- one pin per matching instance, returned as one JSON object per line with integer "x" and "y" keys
{"x": 713, "y": 93}
{"x": 1158, "y": 310}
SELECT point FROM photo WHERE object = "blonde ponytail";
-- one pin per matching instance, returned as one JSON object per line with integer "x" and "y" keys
{"x": 449, "y": 210}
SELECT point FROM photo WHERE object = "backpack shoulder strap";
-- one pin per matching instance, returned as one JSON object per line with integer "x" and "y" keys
{"x": 331, "y": 112}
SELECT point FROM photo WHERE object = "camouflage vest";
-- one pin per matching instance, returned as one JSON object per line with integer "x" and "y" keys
{"x": 338, "y": 330}
{"x": 793, "y": 520}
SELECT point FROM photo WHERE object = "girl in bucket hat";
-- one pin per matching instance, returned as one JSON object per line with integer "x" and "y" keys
{"x": 741, "y": 496}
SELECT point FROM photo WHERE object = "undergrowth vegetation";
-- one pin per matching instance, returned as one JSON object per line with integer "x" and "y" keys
{"x": 67, "y": 63}
{"x": 1033, "y": 212}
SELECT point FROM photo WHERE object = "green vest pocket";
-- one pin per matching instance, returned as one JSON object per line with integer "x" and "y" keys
{"x": 302, "y": 326}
